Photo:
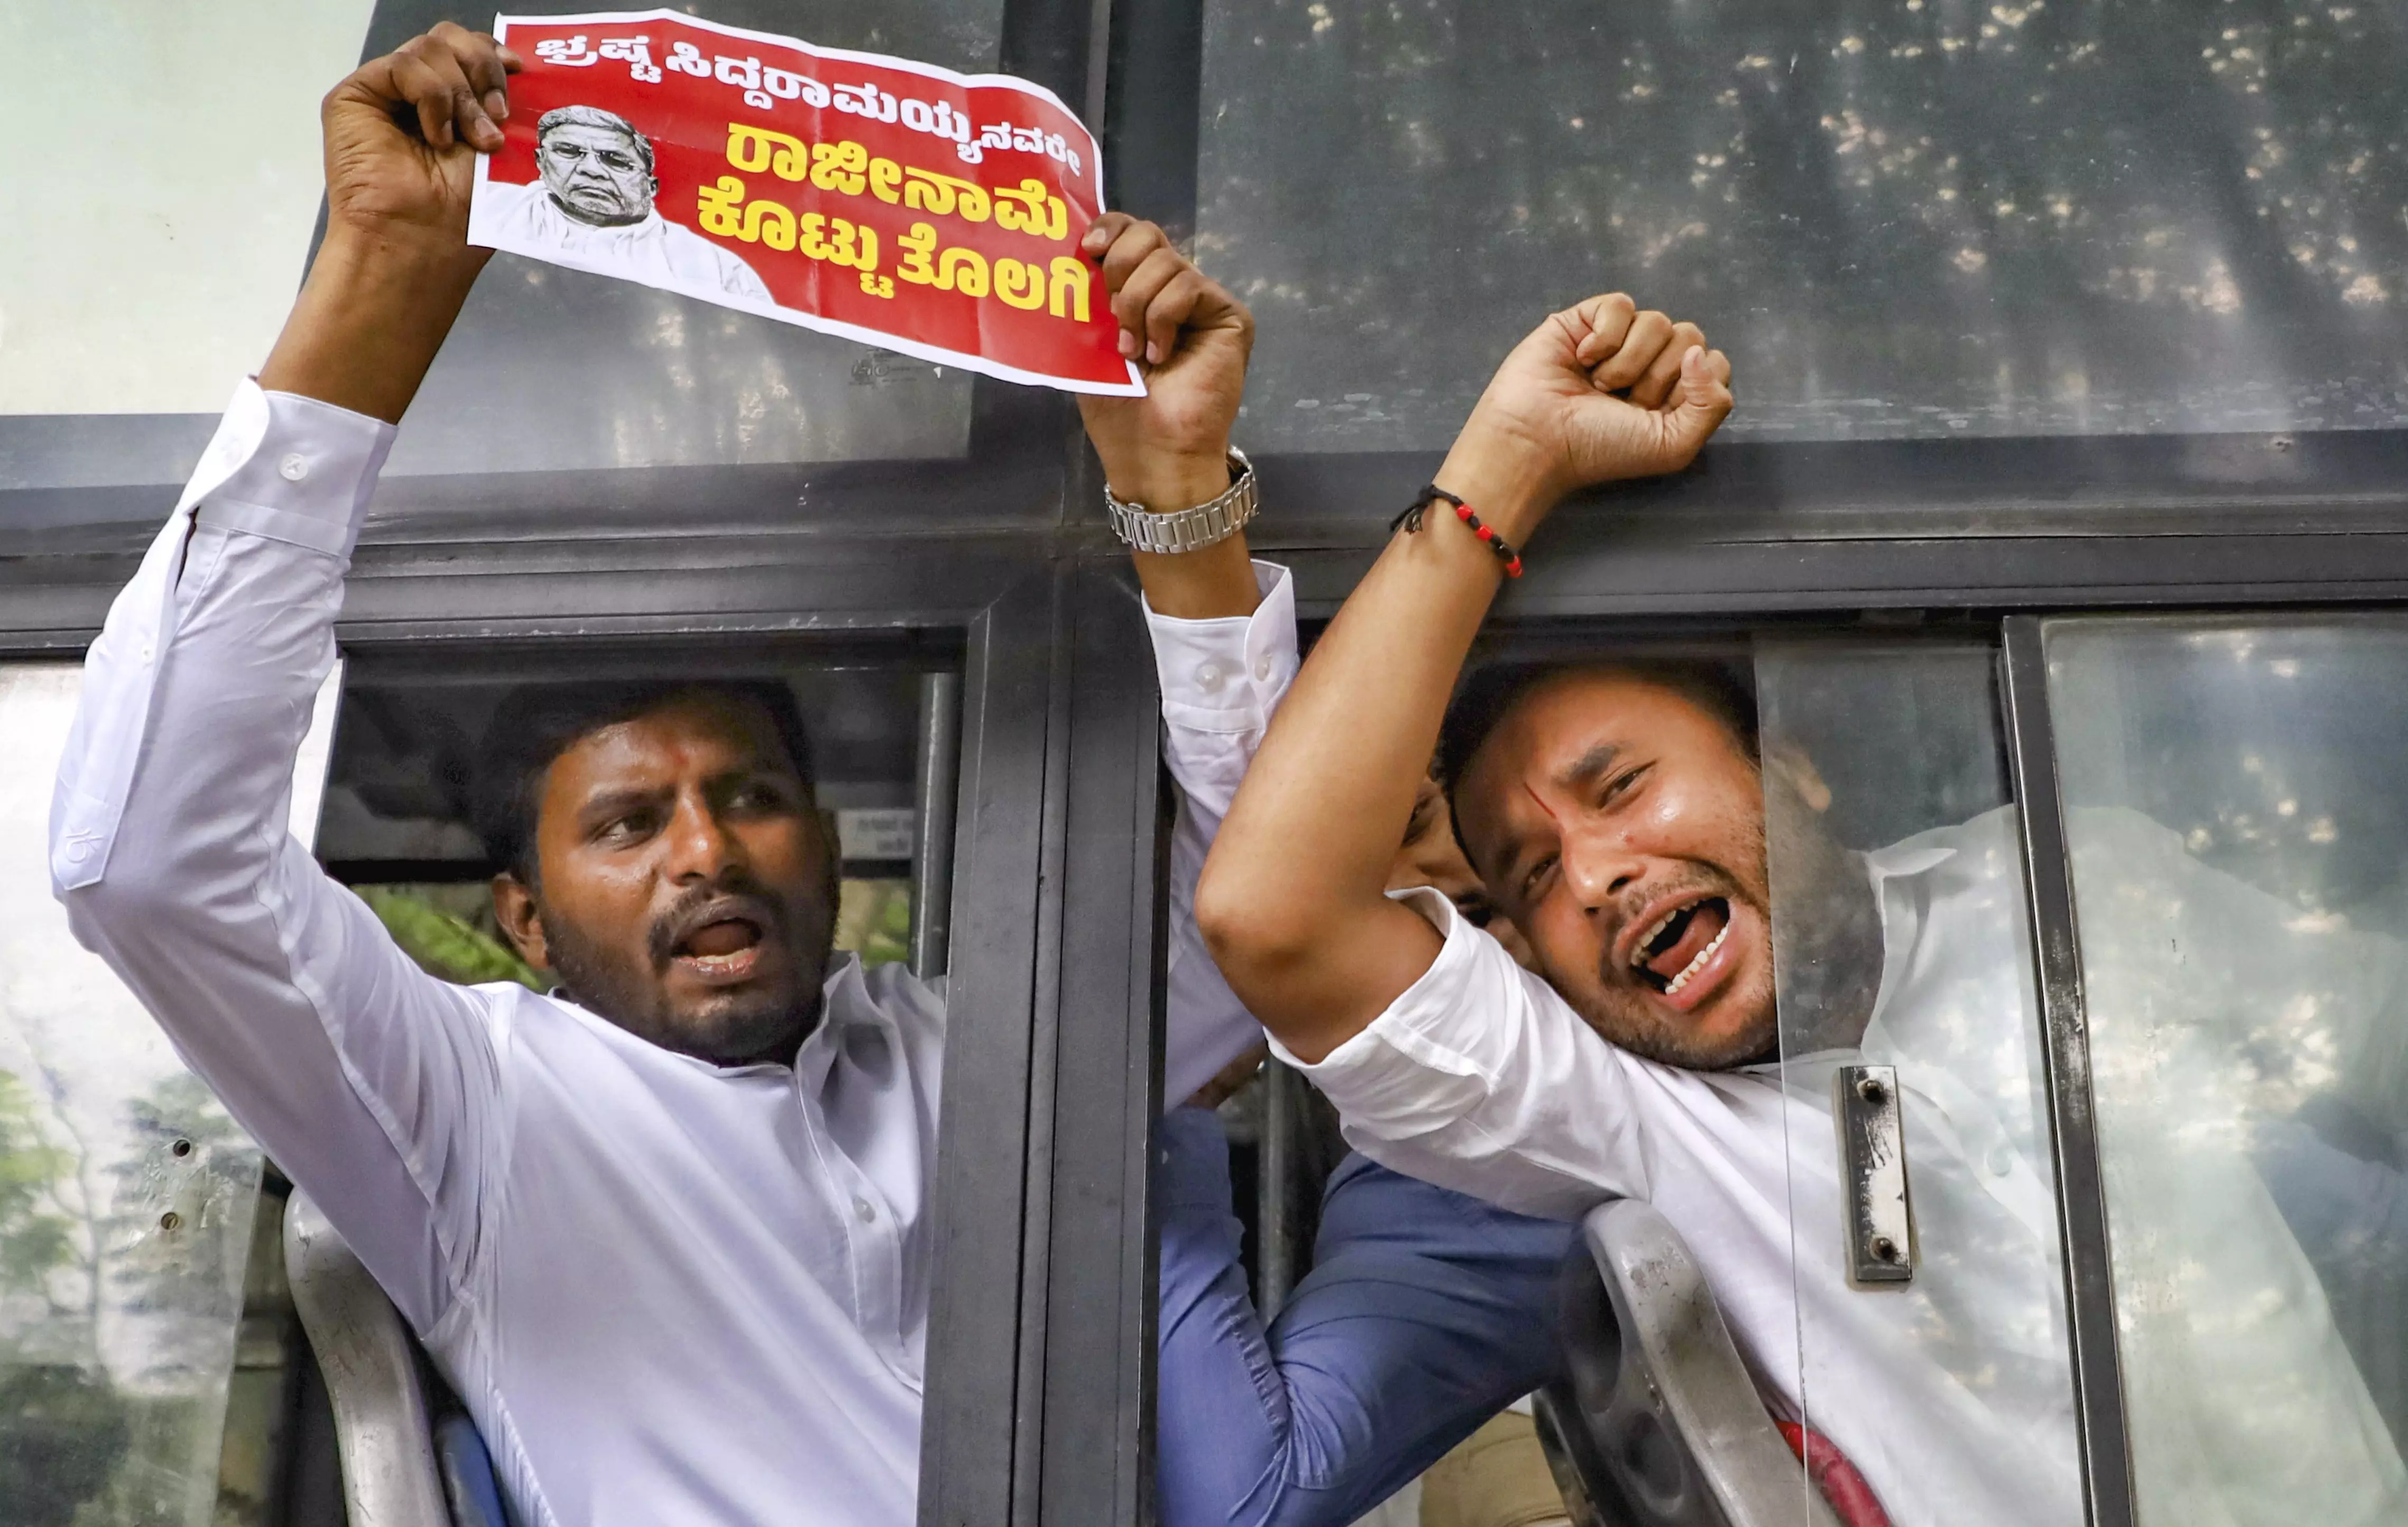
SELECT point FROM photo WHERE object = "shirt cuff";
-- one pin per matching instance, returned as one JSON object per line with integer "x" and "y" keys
{"x": 303, "y": 475}
{"x": 1227, "y": 674}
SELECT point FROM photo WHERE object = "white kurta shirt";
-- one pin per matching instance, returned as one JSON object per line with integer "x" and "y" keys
{"x": 1953, "y": 1395}
{"x": 670, "y": 1292}
{"x": 655, "y": 252}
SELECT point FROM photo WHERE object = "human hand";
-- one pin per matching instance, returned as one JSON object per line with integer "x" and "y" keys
{"x": 1169, "y": 448}
{"x": 402, "y": 133}
{"x": 1598, "y": 391}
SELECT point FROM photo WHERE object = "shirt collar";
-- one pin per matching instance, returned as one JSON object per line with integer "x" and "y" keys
{"x": 845, "y": 1005}
{"x": 1901, "y": 861}
{"x": 1899, "y": 923}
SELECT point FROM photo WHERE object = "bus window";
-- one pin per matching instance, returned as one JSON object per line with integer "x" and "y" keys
{"x": 1931, "y": 1338}
{"x": 126, "y": 1194}
{"x": 1910, "y": 221}
{"x": 2234, "y": 811}
{"x": 400, "y": 823}
{"x": 170, "y": 257}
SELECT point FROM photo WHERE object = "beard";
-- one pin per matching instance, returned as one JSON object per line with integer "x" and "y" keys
{"x": 727, "y": 1028}
{"x": 1632, "y": 1020}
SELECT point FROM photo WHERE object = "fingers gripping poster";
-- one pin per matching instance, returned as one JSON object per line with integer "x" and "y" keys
{"x": 881, "y": 200}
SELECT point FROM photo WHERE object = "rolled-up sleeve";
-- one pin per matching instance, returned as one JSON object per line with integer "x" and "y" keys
{"x": 1481, "y": 1078}
{"x": 1222, "y": 679}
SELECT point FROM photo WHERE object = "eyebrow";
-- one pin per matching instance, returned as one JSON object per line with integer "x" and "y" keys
{"x": 1590, "y": 765}
{"x": 596, "y": 807}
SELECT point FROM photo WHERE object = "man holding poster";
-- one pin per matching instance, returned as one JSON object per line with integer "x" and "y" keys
{"x": 666, "y": 1228}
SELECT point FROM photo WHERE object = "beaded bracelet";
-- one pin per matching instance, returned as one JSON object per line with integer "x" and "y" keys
{"x": 1410, "y": 522}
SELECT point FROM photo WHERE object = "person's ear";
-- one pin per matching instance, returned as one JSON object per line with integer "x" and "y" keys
{"x": 522, "y": 920}
{"x": 1788, "y": 762}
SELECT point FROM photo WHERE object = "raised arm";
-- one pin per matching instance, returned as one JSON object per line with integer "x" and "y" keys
{"x": 1224, "y": 628}
{"x": 1292, "y": 900}
{"x": 1170, "y": 449}
{"x": 363, "y": 1076}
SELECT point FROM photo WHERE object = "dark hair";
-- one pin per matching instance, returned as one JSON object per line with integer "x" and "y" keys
{"x": 536, "y": 724}
{"x": 1719, "y": 689}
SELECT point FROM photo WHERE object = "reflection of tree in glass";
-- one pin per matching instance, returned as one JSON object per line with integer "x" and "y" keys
{"x": 873, "y": 919}
{"x": 34, "y": 1233}
{"x": 63, "y": 1433}
{"x": 448, "y": 930}
{"x": 1903, "y": 217}
{"x": 122, "y": 1301}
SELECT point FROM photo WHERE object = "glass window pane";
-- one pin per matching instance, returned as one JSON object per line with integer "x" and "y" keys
{"x": 125, "y": 1191}
{"x": 170, "y": 257}
{"x": 1899, "y": 941}
{"x": 1908, "y": 219}
{"x": 2236, "y": 811}
{"x": 400, "y": 828}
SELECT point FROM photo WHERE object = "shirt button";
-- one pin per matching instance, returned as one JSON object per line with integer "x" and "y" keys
{"x": 2001, "y": 1160}
{"x": 1262, "y": 670}
{"x": 1210, "y": 677}
{"x": 862, "y": 1208}
{"x": 293, "y": 467}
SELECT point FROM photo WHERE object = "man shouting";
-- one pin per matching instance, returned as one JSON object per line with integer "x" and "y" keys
{"x": 1616, "y": 812}
{"x": 665, "y": 1230}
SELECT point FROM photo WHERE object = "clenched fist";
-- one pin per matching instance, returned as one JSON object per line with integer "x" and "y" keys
{"x": 402, "y": 133}
{"x": 1169, "y": 448}
{"x": 1599, "y": 392}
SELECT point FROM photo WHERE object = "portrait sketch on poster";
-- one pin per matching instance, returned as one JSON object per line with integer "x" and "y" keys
{"x": 894, "y": 203}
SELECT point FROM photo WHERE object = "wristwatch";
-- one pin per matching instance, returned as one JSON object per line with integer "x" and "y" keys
{"x": 1187, "y": 530}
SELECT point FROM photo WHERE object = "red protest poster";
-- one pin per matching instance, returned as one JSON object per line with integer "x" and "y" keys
{"x": 886, "y": 201}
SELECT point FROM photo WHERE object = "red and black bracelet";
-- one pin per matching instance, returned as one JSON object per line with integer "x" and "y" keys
{"x": 1410, "y": 522}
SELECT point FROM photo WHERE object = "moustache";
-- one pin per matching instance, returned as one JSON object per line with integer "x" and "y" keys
{"x": 736, "y": 896}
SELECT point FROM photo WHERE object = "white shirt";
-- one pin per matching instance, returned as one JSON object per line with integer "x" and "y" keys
{"x": 526, "y": 220}
{"x": 669, "y": 1292}
{"x": 1953, "y": 1396}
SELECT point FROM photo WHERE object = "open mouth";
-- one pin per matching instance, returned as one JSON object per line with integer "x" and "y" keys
{"x": 723, "y": 949}
{"x": 1668, "y": 954}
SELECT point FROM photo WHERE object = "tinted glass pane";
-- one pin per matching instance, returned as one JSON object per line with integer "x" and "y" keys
{"x": 1901, "y": 944}
{"x": 125, "y": 1193}
{"x": 400, "y": 823}
{"x": 170, "y": 253}
{"x": 2237, "y": 815}
{"x": 1902, "y": 218}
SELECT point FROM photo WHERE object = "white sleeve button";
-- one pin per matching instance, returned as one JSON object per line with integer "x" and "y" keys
{"x": 863, "y": 1207}
{"x": 293, "y": 467}
{"x": 1210, "y": 677}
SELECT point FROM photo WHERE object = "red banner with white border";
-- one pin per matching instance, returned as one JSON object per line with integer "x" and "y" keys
{"x": 894, "y": 203}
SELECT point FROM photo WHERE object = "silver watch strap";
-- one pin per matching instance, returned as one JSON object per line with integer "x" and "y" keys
{"x": 1187, "y": 530}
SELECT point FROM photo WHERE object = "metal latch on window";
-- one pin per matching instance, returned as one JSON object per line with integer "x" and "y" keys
{"x": 1880, "y": 1215}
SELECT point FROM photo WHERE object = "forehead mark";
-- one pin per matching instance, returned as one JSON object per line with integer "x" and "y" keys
{"x": 1544, "y": 808}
